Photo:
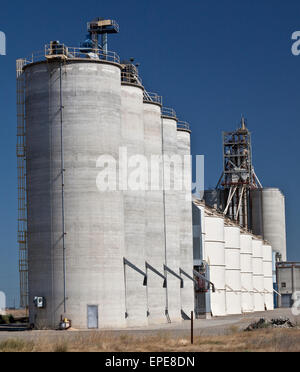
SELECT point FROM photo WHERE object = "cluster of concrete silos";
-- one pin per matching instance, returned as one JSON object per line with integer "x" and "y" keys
{"x": 102, "y": 259}
{"x": 125, "y": 257}
{"x": 240, "y": 265}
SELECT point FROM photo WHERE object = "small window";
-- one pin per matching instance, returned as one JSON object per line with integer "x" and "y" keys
{"x": 283, "y": 285}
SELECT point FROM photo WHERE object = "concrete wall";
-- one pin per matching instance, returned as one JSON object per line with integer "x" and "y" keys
{"x": 247, "y": 297}
{"x": 233, "y": 269}
{"x": 134, "y": 205}
{"x": 215, "y": 257}
{"x": 172, "y": 216}
{"x": 258, "y": 275}
{"x": 94, "y": 221}
{"x": 186, "y": 224}
{"x": 288, "y": 278}
{"x": 155, "y": 222}
{"x": 268, "y": 277}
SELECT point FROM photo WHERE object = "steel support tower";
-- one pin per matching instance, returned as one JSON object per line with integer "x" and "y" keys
{"x": 238, "y": 176}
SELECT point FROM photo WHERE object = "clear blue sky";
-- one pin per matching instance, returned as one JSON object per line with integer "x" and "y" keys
{"x": 210, "y": 60}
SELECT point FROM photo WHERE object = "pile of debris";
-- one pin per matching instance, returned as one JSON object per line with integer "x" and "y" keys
{"x": 273, "y": 323}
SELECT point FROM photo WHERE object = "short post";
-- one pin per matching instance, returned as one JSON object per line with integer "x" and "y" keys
{"x": 192, "y": 327}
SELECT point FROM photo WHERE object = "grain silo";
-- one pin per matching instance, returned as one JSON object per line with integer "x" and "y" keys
{"x": 247, "y": 298}
{"x": 258, "y": 274}
{"x": 186, "y": 220}
{"x": 268, "y": 277}
{"x": 132, "y": 132}
{"x": 215, "y": 257}
{"x": 233, "y": 268}
{"x": 268, "y": 217}
{"x": 100, "y": 252}
{"x": 69, "y": 105}
{"x": 172, "y": 213}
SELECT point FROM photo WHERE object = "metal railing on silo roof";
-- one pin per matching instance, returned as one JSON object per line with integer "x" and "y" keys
{"x": 152, "y": 97}
{"x": 183, "y": 125}
{"x": 169, "y": 112}
{"x": 130, "y": 78}
{"x": 62, "y": 51}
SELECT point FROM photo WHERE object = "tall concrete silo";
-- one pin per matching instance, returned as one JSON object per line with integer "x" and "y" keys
{"x": 247, "y": 273}
{"x": 75, "y": 231}
{"x": 268, "y": 217}
{"x": 233, "y": 269}
{"x": 258, "y": 274}
{"x": 268, "y": 276}
{"x": 132, "y": 131}
{"x": 186, "y": 221}
{"x": 215, "y": 257}
{"x": 172, "y": 212}
{"x": 155, "y": 220}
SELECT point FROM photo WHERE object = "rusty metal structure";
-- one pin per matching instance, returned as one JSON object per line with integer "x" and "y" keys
{"x": 238, "y": 176}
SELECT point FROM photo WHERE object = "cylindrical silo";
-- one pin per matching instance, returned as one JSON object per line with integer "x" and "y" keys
{"x": 132, "y": 131}
{"x": 233, "y": 269}
{"x": 268, "y": 276}
{"x": 154, "y": 214}
{"x": 172, "y": 212}
{"x": 268, "y": 217}
{"x": 186, "y": 220}
{"x": 75, "y": 229}
{"x": 215, "y": 257}
{"x": 246, "y": 273}
{"x": 258, "y": 275}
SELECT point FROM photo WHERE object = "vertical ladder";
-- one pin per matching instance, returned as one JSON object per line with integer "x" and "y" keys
{"x": 21, "y": 171}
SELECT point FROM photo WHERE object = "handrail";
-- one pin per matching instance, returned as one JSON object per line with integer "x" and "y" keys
{"x": 152, "y": 97}
{"x": 63, "y": 51}
{"x": 127, "y": 77}
{"x": 166, "y": 111}
{"x": 183, "y": 125}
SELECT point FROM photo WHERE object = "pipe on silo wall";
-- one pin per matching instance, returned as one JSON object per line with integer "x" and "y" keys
{"x": 233, "y": 269}
{"x": 247, "y": 297}
{"x": 268, "y": 276}
{"x": 258, "y": 275}
{"x": 132, "y": 132}
{"x": 94, "y": 220}
{"x": 155, "y": 219}
{"x": 172, "y": 214}
{"x": 268, "y": 217}
{"x": 186, "y": 223}
{"x": 215, "y": 257}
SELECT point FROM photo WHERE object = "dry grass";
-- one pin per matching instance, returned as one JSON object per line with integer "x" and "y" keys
{"x": 266, "y": 340}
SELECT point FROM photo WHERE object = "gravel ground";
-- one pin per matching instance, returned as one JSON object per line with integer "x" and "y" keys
{"x": 202, "y": 327}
